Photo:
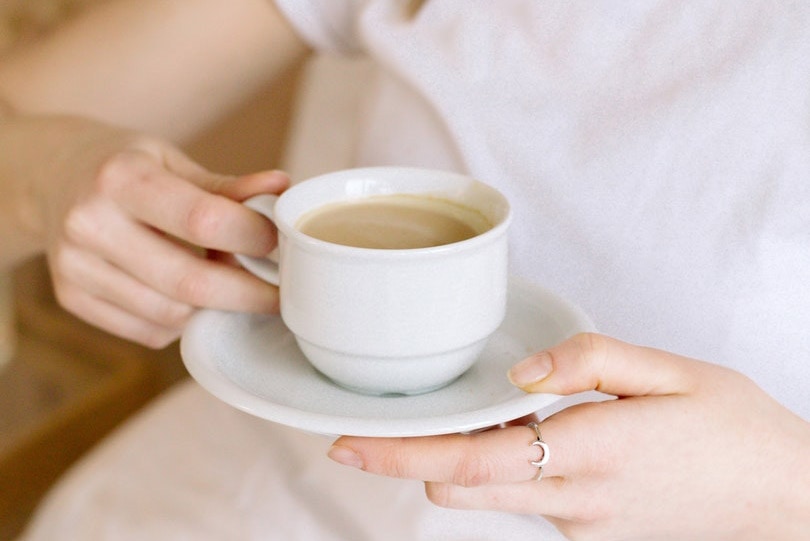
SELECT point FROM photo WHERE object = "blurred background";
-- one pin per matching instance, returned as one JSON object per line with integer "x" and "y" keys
{"x": 64, "y": 384}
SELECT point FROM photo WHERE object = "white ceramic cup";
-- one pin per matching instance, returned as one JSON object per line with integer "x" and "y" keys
{"x": 388, "y": 321}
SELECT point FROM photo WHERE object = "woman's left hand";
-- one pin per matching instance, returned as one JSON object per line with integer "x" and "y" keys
{"x": 689, "y": 450}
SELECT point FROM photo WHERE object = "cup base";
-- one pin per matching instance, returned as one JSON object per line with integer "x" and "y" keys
{"x": 383, "y": 376}
{"x": 392, "y": 394}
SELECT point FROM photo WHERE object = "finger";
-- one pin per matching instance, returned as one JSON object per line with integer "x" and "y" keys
{"x": 202, "y": 283}
{"x": 113, "y": 319}
{"x": 237, "y": 188}
{"x": 550, "y": 497}
{"x": 183, "y": 209}
{"x": 595, "y": 362}
{"x": 580, "y": 440}
{"x": 72, "y": 267}
{"x": 496, "y": 456}
{"x": 246, "y": 186}
{"x": 173, "y": 270}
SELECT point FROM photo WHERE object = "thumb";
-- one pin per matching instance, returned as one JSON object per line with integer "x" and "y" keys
{"x": 588, "y": 362}
{"x": 246, "y": 186}
{"x": 237, "y": 188}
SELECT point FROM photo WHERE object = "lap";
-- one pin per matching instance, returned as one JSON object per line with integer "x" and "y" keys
{"x": 190, "y": 466}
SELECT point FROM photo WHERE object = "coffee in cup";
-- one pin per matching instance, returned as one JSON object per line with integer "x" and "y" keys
{"x": 394, "y": 222}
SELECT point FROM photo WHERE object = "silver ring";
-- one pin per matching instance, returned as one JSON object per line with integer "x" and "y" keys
{"x": 543, "y": 460}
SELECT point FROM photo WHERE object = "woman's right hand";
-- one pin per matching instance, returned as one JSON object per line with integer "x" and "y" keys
{"x": 127, "y": 223}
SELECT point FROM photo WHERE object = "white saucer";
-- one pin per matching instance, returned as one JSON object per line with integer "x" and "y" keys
{"x": 253, "y": 363}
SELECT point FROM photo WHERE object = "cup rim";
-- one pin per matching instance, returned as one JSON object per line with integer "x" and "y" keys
{"x": 305, "y": 241}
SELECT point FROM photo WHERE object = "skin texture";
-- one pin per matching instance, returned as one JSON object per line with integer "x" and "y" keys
{"x": 689, "y": 450}
{"x": 150, "y": 194}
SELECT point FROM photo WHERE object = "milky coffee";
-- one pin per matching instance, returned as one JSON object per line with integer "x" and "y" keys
{"x": 399, "y": 221}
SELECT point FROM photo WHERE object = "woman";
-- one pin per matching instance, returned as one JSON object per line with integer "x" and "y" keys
{"x": 656, "y": 156}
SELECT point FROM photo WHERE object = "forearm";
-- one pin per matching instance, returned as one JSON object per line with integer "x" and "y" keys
{"x": 40, "y": 156}
{"x": 165, "y": 67}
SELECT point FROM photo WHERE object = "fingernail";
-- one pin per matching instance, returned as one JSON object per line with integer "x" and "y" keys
{"x": 345, "y": 456}
{"x": 531, "y": 370}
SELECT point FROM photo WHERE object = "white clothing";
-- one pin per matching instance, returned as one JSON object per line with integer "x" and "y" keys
{"x": 657, "y": 155}
{"x": 190, "y": 467}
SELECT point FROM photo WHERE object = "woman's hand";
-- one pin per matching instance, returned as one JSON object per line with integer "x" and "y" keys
{"x": 689, "y": 450}
{"x": 122, "y": 219}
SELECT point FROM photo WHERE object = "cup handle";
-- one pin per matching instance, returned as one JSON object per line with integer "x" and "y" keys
{"x": 264, "y": 267}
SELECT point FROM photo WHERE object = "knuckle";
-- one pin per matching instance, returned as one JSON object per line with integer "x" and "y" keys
{"x": 394, "y": 461}
{"x": 591, "y": 345}
{"x": 202, "y": 221}
{"x": 80, "y": 225}
{"x": 473, "y": 470}
{"x": 192, "y": 287}
{"x": 593, "y": 354}
{"x": 117, "y": 170}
